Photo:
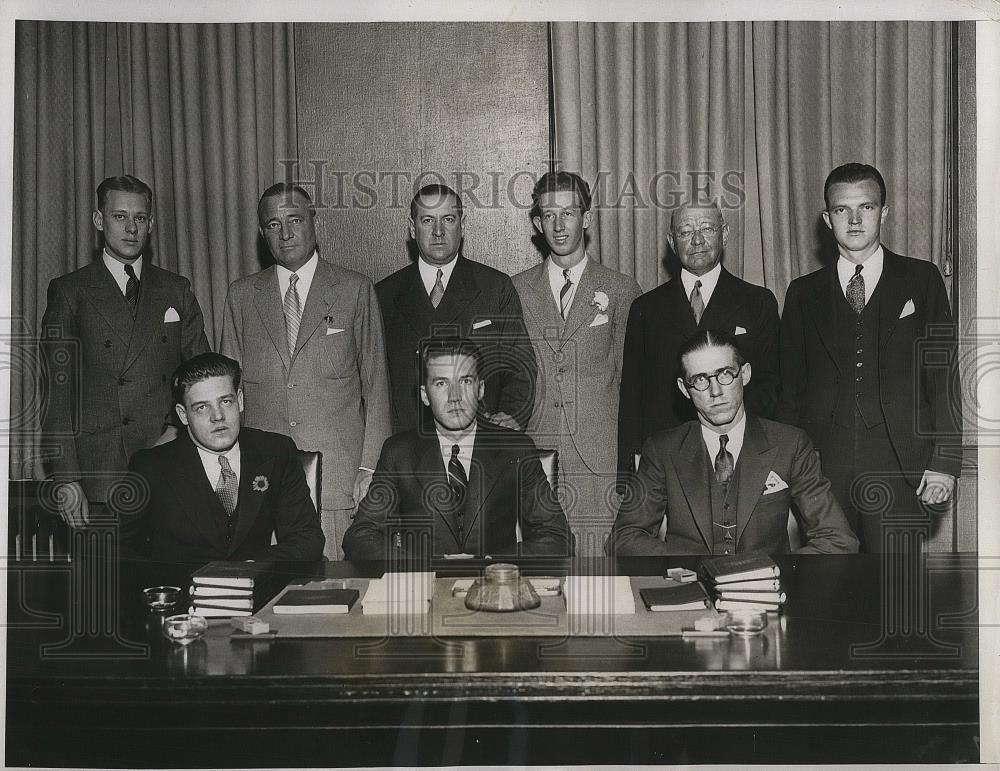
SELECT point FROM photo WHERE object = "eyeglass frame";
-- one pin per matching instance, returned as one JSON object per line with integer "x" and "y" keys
{"x": 716, "y": 376}
{"x": 706, "y": 231}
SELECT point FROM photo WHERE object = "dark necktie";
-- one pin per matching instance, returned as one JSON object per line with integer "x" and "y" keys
{"x": 565, "y": 295}
{"x": 228, "y": 487}
{"x": 437, "y": 292}
{"x": 132, "y": 289}
{"x": 697, "y": 304}
{"x": 459, "y": 483}
{"x": 856, "y": 290}
{"x": 724, "y": 463}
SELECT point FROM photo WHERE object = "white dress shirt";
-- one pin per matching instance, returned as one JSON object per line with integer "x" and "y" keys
{"x": 734, "y": 445}
{"x": 428, "y": 273}
{"x": 465, "y": 445}
{"x": 708, "y": 282}
{"x": 871, "y": 271}
{"x": 117, "y": 269}
{"x": 557, "y": 279}
{"x": 213, "y": 470}
{"x": 305, "y": 274}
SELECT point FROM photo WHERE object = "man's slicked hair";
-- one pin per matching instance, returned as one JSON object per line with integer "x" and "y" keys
{"x": 851, "y": 173}
{"x": 708, "y": 338}
{"x": 285, "y": 190}
{"x": 125, "y": 183}
{"x": 435, "y": 189}
{"x": 202, "y": 367}
{"x": 448, "y": 345}
{"x": 558, "y": 182}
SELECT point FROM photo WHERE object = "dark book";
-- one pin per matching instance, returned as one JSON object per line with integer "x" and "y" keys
{"x": 302, "y": 601}
{"x": 199, "y": 591}
{"x": 740, "y": 567}
{"x": 239, "y": 574}
{"x": 690, "y": 596}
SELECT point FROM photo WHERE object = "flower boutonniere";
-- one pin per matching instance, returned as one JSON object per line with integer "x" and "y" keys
{"x": 600, "y": 301}
{"x": 260, "y": 484}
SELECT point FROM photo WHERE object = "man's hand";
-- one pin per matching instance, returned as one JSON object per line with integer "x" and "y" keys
{"x": 361, "y": 484}
{"x": 936, "y": 487}
{"x": 72, "y": 504}
{"x": 168, "y": 435}
{"x": 502, "y": 419}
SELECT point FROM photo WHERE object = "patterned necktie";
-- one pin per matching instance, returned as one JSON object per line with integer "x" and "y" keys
{"x": 437, "y": 292}
{"x": 293, "y": 312}
{"x": 697, "y": 304}
{"x": 724, "y": 463}
{"x": 856, "y": 290}
{"x": 131, "y": 289}
{"x": 457, "y": 479}
{"x": 565, "y": 295}
{"x": 228, "y": 487}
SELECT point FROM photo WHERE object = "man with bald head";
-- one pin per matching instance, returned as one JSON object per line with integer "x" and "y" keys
{"x": 703, "y": 296}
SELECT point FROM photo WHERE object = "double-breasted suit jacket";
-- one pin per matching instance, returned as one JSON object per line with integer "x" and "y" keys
{"x": 107, "y": 374}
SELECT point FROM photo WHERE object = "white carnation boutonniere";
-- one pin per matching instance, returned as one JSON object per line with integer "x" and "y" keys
{"x": 260, "y": 484}
{"x": 600, "y": 301}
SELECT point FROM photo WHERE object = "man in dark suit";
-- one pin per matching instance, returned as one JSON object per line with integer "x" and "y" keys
{"x": 704, "y": 296}
{"x": 466, "y": 489}
{"x": 725, "y": 482}
{"x": 869, "y": 364}
{"x": 112, "y": 333}
{"x": 444, "y": 293}
{"x": 219, "y": 492}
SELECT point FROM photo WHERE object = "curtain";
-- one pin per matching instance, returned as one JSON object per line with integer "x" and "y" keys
{"x": 755, "y": 114}
{"x": 204, "y": 114}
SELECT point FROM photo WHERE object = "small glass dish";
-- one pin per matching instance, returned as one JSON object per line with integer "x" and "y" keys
{"x": 159, "y": 598}
{"x": 746, "y": 623}
{"x": 184, "y": 628}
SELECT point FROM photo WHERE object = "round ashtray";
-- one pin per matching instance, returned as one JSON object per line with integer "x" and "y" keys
{"x": 161, "y": 597}
{"x": 746, "y": 623}
{"x": 185, "y": 628}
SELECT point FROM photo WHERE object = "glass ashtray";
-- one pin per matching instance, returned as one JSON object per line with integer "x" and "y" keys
{"x": 746, "y": 623}
{"x": 185, "y": 628}
{"x": 161, "y": 597}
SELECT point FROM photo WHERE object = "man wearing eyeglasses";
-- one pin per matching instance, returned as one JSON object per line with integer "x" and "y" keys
{"x": 702, "y": 295}
{"x": 725, "y": 482}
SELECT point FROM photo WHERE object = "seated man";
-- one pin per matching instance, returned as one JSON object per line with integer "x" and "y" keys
{"x": 217, "y": 492}
{"x": 725, "y": 481}
{"x": 462, "y": 489}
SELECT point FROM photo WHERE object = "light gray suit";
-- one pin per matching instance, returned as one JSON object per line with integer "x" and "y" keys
{"x": 576, "y": 390}
{"x": 332, "y": 394}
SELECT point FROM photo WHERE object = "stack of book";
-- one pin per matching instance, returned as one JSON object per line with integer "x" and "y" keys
{"x": 745, "y": 582}
{"x": 398, "y": 594}
{"x": 226, "y": 589}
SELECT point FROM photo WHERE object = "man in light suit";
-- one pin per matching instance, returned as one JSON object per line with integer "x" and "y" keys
{"x": 869, "y": 367}
{"x": 704, "y": 296}
{"x": 112, "y": 333}
{"x": 308, "y": 335}
{"x": 444, "y": 293}
{"x": 219, "y": 491}
{"x": 575, "y": 310}
{"x": 725, "y": 481}
{"x": 462, "y": 490}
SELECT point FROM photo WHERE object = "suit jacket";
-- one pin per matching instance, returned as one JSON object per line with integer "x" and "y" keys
{"x": 409, "y": 500}
{"x": 480, "y": 303}
{"x": 918, "y": 381}
{"x": 179, "y": 517}
{"x": 580, "y": 361}
{"x": 673, "y": 479}
{"x": 108, "y": 376}
{"x": 331, "y": 395}
{"x": 659, "y": 323}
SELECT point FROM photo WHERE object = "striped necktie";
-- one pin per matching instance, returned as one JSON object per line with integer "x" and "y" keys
{"x": 293, "y": 312}
{"x": 228, "y": 487}
{"x": 565, "y": 295}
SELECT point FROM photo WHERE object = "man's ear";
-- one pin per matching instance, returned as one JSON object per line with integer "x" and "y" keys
{"x": 423, "y": 396}
{"x": 151, "y": 223}
{"x": 745, "y": 373}
{"x": 99, "y": 220}
{"x": 537, "y": 222}
{"x": 181, "y": 413}
{"x": 482, "y": 389}
{"x": 885, "y": 213}
{"x": 826, "y": 219}
{"x": 682, "y": 387}
{"x": 588, "y": 219}
{"x": 725, "y": 233}
{"x": 670, "y": 240}
{"x": 239, "y": 398}
{"x": 413, "y": 229}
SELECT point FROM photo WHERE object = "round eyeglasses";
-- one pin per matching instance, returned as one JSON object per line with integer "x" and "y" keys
{"x": 723, "y": 377}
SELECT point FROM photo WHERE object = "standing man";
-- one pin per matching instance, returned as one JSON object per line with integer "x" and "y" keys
{"x": 112, "y": 334}
{"x": 868, "y": 353}
{"x": 575, "y": 310}
{"x": 443, "y": 293}
{"x": 308, "y": 335}
{"x": 704, "y": 296}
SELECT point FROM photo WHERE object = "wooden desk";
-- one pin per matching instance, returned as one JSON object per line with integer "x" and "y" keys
{"x": 798, "y": 694}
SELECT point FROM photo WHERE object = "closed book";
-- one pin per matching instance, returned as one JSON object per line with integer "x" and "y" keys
{"x": 760, "y": 585}
{"x": 222, "y": 573}
{"x": 740, "y": 567}
{"x": 690, "y": 596}
{"x": 744, "y": 605}
{"x": 208, "y": 612}
{"x": 302, "y": 601}
{"x": 201, "y": 590}
{"x": 239, "y": 603}
{"x": 725, "y": 594}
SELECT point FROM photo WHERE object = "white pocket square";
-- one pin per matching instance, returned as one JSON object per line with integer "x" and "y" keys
{"x": 774, "y": 484}
{"x": 481, "y": 324}
{"x": 333, "y": 330}
{"x": 171, "y": 315}
{"x": 908, "y": 310}
{"x": 740, "y": 331}
{"x": 599, "y": 319}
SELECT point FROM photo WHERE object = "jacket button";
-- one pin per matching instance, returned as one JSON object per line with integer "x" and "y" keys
{"x": 126, "y": 421}
{"x": 293, "y": 423}
{"x": 122, "y": 381}
{"x": 107, "y": 343}
{"x": 164, "y": 338}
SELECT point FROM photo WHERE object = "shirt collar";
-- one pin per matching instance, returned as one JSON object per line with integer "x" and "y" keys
{"x": 210, "y": 460}
{"x": 305, "y": 274}
{"x": 708, "y": 281}
{"x": 735, "y": 434}
{"x": 428, "y": 272}
{"x": 871, "y": 270}
{"x": 465, "y": 446}
{"x": 117, "y": 268}
{"x": 556, "y": 273}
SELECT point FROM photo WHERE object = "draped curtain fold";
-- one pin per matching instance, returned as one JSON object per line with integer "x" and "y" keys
{"x": 755, "y": 114}
{"x": 204, "y": 114}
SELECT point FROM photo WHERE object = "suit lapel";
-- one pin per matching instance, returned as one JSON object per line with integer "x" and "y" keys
{"x": 433, "y": 479}
{"x": 321, "y": 297}
{"x": 678, "y": 307}
{"x": 824, "y": 300}
{"x": 412, "y": 301}
{"x": 893, "y": 294}
{"x": 146, "y": 325}
{"x": 723, "y": 306}
{"x": 484, "y": 474}
{"x": 267, "y": 301}
{"x": 195, "y": 495}
{"x": 756, "y": 461}
{"x": 692, "y": 473}
{"x": 461, "y": 291}
{"x": 253, "y": 464}
{"x": 108, "y": 300}
{"x": 581, "y": 311}
{"x": 539, "y": 302}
